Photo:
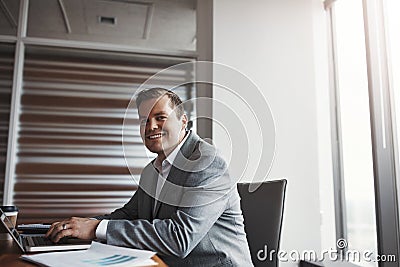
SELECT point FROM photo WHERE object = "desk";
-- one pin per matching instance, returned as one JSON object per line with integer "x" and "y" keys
{"x": 10, "y": 252}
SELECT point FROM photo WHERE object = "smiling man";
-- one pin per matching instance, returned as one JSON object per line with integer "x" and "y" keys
{"x": 187, "y": 208}
{"x": 162, "y": 121}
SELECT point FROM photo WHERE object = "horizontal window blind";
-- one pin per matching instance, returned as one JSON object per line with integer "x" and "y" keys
{"x": 70, "y": 155}
{"x": 6, "y": 77}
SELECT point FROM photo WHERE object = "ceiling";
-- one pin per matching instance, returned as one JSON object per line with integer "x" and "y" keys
{"x": 154, "y": 24}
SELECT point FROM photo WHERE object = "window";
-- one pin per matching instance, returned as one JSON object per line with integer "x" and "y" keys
{"x": 393, "y": 37}
{"x": 364, "y": 127}
{"x": 353, "y": 109}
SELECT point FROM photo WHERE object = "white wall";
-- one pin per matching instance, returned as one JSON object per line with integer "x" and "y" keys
{"x": 273, "y": 43}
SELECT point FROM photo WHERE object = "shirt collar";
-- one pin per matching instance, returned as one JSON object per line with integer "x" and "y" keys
{"x": 171, "y": 157}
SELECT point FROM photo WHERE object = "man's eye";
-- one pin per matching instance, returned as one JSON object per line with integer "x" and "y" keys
{"x": 161, "y": 118}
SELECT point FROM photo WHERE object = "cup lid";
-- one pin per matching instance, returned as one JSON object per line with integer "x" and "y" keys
{"x": 9, "y": 208}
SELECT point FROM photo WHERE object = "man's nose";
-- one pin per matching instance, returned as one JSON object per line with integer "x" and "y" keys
{"x": 152, "y": 124}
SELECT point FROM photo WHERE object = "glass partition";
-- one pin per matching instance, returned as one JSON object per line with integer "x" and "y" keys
{"x": 70, "y": 155}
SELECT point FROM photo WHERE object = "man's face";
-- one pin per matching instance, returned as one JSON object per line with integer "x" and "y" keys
{"x": 160, "y": 128}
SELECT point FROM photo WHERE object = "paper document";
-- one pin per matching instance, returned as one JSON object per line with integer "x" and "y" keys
{"x": 97, "y": 255}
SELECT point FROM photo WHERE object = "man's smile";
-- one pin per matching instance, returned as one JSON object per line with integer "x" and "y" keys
{"x": 155, "y": 136}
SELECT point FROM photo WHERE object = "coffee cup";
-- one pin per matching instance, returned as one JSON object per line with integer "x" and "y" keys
{"x": 11, "y": 213}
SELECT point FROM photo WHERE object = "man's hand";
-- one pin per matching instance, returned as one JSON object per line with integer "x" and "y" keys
{"x": 83, "y": 228}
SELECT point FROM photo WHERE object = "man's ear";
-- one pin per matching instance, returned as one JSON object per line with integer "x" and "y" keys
{"x": 184, "y": 120}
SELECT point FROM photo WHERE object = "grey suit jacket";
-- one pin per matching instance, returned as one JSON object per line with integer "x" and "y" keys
{"x": 197, "y": 221}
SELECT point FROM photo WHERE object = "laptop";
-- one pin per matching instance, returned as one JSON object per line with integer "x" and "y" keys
{"x": 38, "y": 242}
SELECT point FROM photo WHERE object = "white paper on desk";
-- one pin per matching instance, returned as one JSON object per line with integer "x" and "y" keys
{"x": 97, "y": 255}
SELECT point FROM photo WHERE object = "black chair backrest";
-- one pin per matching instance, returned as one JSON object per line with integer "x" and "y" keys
{"x": 263, "y": 212}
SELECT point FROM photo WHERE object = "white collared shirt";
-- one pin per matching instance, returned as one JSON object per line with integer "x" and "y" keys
{"x": 165, "y": 169}
{"x": 101, "y": 231}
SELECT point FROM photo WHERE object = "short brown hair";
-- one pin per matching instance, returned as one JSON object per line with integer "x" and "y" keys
{"x": 158, "y": 92}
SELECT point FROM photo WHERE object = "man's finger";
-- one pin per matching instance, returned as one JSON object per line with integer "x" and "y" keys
{"x": 56, "y": 229}
{"x": 61, "y": 234}
{"x": 51, "y": 229}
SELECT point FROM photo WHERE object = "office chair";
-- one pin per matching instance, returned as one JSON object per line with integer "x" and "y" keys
{"x": 263, "y": 212}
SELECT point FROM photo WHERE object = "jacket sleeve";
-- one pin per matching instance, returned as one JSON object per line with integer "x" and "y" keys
{"x": 203, "y": 204}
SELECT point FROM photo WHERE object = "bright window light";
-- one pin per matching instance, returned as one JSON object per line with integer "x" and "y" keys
{"x": 355, "y": 128}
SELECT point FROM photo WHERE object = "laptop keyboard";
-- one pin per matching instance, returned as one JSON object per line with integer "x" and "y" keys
{"x": 39, "y": 241}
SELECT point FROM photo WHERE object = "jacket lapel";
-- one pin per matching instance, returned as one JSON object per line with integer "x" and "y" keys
{"x": 148, "y": 183}
{"x": 177, "y": 177}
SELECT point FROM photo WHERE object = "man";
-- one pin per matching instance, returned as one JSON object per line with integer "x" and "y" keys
{"x": 187, "y": 208}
